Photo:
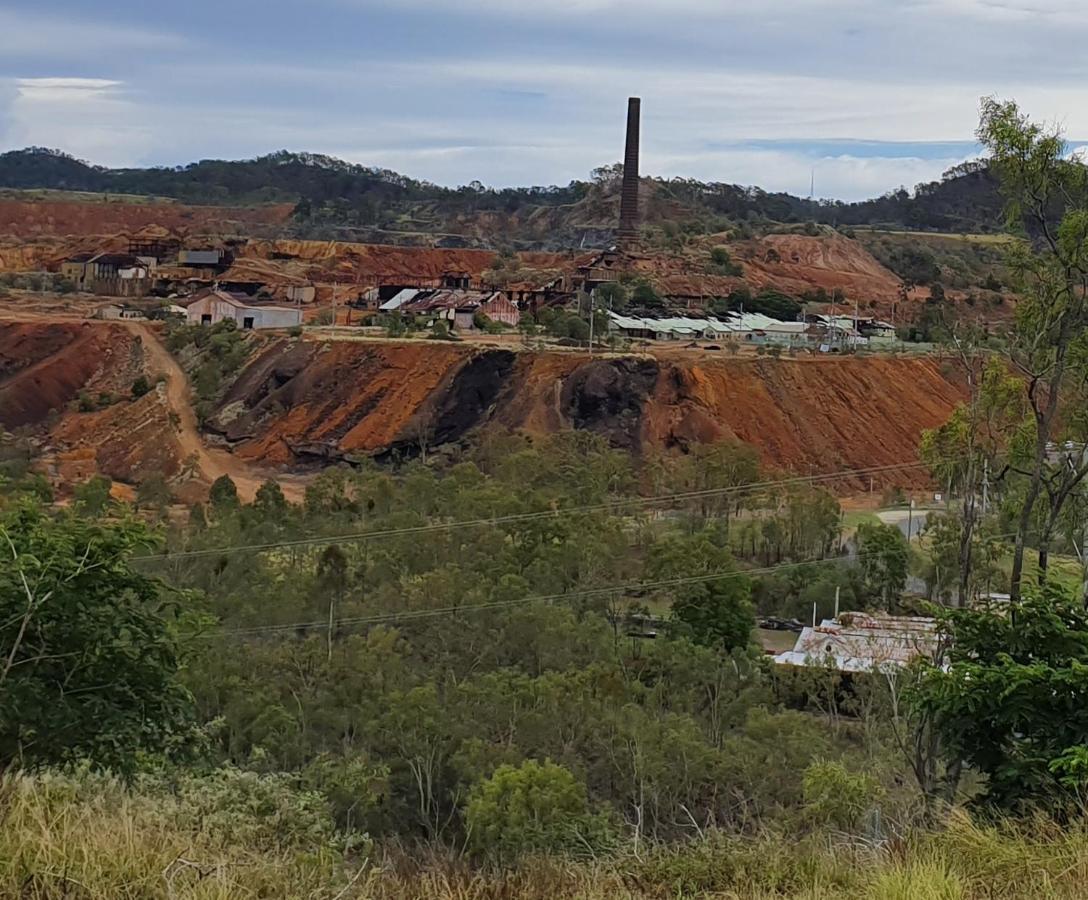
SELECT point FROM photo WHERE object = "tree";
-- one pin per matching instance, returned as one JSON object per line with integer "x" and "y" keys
{"x": 717, "y": 613}
{"x": 223, "y": 496}
{"x": 1047, "y": 194}
{"x": 332, "y": 575}
{"x": 1013, "y": 700}
{"x": 612, "y": 296}
{"x": 270, "y": 502}
{"x": 93, "y": 496}
{"x": 964, "y": 450}
{"x": 534, "y": 807}
{"x": 721, "y": 263}
{"x": 884, "y": 559}
{"x": 645, "y": 295}
{"x": 140, "y": 386}
{"x": 153, "y": 493}
{"x": 89, "y": 655}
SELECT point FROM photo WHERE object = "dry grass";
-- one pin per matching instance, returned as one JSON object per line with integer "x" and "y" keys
{"x": 91, "y": 839}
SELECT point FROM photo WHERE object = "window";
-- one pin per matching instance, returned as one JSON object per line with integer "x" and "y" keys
{"x": 247, "y": 323}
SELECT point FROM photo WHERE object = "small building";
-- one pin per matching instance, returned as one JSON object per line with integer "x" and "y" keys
{"x": 108, "y": 266}
{"x": 401, "y": 298}
{"x": 671, "y": 328}
{"x": 113, "y": 274}
{"x": 74, "y": 268}
{"x": 118, "y": 311}
{"x": 200, "y": 259}
{"x": 301, "y": 293}
{"x": 865, "y": 642}
{"x": 246, "y": 312}
{"x": 459, "y": 308}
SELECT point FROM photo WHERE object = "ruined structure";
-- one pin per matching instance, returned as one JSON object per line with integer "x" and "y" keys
{"x": 627, "y": 235}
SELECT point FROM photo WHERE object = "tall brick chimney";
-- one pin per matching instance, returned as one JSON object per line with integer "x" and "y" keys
{"x": 628, "y": 231}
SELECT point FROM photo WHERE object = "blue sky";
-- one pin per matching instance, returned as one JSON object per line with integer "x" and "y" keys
{"x": 868, "y": 94}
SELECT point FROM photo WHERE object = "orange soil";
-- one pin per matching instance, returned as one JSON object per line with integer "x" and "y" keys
{"x": 344, "y": 397}
{"x": 45, "y": 366}
{"x": 803, "y": 415}
{"x": 29, "y": 218}
{"x": 830, "y": 262}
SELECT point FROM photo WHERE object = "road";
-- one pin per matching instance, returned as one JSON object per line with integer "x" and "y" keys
{"x": 911, "y": 524}
{"x": 212, "y": 463}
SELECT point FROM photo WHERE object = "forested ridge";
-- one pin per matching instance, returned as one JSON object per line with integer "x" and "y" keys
{"x": 966, "y": 199}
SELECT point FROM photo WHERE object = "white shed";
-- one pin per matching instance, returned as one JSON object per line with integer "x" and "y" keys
{"x": 215, "y": 306}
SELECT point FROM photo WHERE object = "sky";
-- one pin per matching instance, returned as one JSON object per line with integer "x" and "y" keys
{"x": 861, "y": 95}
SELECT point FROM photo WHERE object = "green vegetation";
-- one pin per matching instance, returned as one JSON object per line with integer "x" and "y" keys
{"x": 329, "y": 193}
{"x": 211, "y": 354}
{"x": 91, "y": 661}
{"x": 503, "y": 671}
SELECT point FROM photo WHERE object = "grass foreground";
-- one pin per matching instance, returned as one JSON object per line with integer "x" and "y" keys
{"x": 83, "y": 836}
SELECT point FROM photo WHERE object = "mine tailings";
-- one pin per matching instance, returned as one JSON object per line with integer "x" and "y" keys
{"x": 344, "y": 399}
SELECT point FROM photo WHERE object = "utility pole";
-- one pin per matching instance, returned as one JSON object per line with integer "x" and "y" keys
{"x": 591, "y": 318}
{"x": 1084, "y": 534}
{"x": 985, "y": 486}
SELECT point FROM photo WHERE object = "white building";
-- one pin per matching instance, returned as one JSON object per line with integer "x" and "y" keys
{"x": 865, "y": 642}
{"x": 217, "y": 305}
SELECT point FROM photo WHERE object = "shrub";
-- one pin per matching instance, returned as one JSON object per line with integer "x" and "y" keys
{"x": 140, "y": 386}
{"x": 835, "y": 796}
{"x": 534, "y": 807}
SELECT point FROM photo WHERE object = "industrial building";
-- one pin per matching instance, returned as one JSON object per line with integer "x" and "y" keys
{"x": 246, "y": 312}
{"x": 457, "y": 307}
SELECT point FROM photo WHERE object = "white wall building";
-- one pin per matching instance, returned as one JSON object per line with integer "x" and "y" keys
{"x": 216, "y": 306}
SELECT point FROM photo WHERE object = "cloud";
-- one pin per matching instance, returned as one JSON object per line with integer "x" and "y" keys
{"x": 26, "y": 36}
{"x": 875, "y": 93}
{"x": 92, "y": 118}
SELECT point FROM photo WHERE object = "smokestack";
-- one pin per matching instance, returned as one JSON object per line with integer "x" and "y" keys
{"x": 628, "y": 231}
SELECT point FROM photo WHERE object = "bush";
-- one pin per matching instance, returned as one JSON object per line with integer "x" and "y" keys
{"x": 721, "y": 263}
{"x": 140, "y": 386}
{"x": 267, "y": 813}
{"x": 534, "y": 807}
{"x": 645, "y": 295}
{"x": 78, "y": 834}
{"x": 835, "y": 796}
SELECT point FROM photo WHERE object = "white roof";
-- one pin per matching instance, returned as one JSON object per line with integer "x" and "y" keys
{"x": 672, "y": 324}
{"x": 860, "y": 642}
{"x": 397, "y": 301}
{"x": 842, "y": 323}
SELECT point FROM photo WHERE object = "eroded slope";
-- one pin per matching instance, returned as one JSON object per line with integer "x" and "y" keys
{"x": 301, "y": 401}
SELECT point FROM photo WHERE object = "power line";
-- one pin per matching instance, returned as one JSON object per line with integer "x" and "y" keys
{"x": 527, "y": 517}
{"x": 408, "y": 615}
{"x": 412, "y": 615}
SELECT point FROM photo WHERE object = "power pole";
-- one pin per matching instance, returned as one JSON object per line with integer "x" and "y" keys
{"x": 591, "y": 318}
{"x": 985, "y": 486}
{"x": 1084, "y": 535}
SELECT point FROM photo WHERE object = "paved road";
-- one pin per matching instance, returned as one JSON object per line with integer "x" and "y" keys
{"x": 911, "y": 524}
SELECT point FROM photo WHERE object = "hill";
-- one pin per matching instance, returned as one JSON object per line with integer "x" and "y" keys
{"x": 330, "y": 194}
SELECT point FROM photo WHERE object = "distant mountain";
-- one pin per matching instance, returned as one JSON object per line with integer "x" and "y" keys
{"x": 331, "y": 193}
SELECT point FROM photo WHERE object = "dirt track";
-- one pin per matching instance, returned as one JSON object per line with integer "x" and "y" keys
{"x": 212, "y": 463}
{"x": 50, "y": 360}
